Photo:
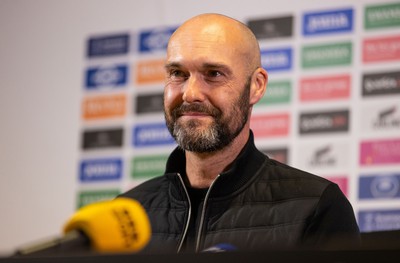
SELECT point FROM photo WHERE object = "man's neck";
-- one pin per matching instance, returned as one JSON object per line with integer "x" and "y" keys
{"x": 203, "y": 168}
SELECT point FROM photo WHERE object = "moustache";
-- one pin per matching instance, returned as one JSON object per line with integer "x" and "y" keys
{"x": 199, "y": 108}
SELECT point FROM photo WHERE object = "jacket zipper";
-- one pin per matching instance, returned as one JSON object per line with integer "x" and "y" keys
{"x": 203, "y": 211}
{"x": 189, "y": 215}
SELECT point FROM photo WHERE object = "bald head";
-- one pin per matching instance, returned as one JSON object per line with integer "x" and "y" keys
{"x": 227, "y": 32}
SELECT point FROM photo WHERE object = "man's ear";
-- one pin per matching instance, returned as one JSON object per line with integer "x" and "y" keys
{"x": 258, "y": 85}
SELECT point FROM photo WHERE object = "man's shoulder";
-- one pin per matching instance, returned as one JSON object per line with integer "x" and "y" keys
{"x": 288, "y": 179}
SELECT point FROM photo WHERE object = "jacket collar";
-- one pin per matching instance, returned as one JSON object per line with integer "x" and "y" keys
{"x": 242, "y": 170}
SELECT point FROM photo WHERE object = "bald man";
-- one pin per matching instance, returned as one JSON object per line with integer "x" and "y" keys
{"x": 217, "y": 187}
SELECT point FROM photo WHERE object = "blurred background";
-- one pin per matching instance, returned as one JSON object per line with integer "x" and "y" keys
{"x": 81, "y": 101}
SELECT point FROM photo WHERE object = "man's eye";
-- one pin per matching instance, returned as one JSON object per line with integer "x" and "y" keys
{"x": 177, "y": 74}
{"x": 214, "y": 73}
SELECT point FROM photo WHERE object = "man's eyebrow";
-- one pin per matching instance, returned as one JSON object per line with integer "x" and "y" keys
{"x": 220, "y": 66}
{"x": 170, "y": 65}
{"x": 204, "y": 66}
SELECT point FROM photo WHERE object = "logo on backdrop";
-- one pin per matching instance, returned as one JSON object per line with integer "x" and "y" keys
{"x": 325, "y": 88}
{"x": 88, "y": 197}
{"x": 109, "y": 45}
{"x": 328, "y": 55}
{"x": 98, "y": 77}
{"x": 270, "y": 125}
{"x": 277, "y": 59}
{"x": 100, "y": 170}
{"x": 272, "y": 27}
{"x": 381, "y": 49}
{"x": 386, "y": 83}
{"x": 149, "y": 103}
{"x": 378, "y": 117}
{"x": 380, "y": 16}
{"x": 152, "y": 134}
{"x": 327, "y": 156}
{"x": 103, "y": 107}
{"x": 378, "y": 220}
{"x": 148, "y": 166}
{"x": 150, "y": 71}
{"x": 379, "y": 186}
{"x": 103, "y": 138}
{"x": 335, "y": 21}
{"x": 324, "y": 122}
{"x": 155, "y": 39}
{"x": 278, "y": 92}
{"x": 380, "y": 152}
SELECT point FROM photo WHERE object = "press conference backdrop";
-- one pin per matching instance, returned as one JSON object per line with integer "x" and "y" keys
{"x": 332, "y": 105}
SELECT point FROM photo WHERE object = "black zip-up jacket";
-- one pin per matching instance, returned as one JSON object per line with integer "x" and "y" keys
{"x": 258, "y": 204}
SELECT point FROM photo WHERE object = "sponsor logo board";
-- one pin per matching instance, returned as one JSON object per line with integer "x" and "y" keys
{"x": 148, "y": 166}
{"x": 381, "y": 49}
{"x": 277, "y": 59}
{"x": 97, "y": 77}
{"x": 149, "y": 103}
{"x": 324, "y": 156}
{"x": 325, "y": 88}
{"x": 383, "y": 15}
{"x": 88, "y": 197}
{"x": 102, "y": 138}
{"x": 386, "y": 83}
{"x": 272, "y": 27}
{"x": 151, "y": 135}
{"x": 155, "y": 39}
{"x": 379, "y": 186}
{"x": 332, "y": 21}
{"x": 150, "y": 71}
{"x": 105, "y": 169}
{"x": 380, "y": 152}
{"x": 103, "y": 107}
{"x": 108, "y": 45}
{"x": 327, "y": 55}
{"x": 277, "y": 92}
{"x": 324, "y": 122}
{"x": 378, "y": 220}
{"x": 270, "y": 125}
{"x": 380, "y": 117}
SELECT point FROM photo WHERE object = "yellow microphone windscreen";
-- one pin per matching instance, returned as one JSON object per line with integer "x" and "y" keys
{"x": 118, "y": 225}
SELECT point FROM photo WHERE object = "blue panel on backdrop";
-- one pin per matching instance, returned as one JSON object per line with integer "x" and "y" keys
{"x": 334, "y": 21}
{"x": 106, "y": 76}
{"x": 151, "y": 135}
{"x": 277, "y": 59}
{"x": 155, "y": 39}
{"x": 111, "y": 45}
{"x": 378, "y": 220}
{"x": 105, "y": 169}
{"x": 379, "y": 186}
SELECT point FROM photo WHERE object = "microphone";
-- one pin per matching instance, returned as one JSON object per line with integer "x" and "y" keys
{"x": 118, "y": 225}
{"x": 223, "y": 247}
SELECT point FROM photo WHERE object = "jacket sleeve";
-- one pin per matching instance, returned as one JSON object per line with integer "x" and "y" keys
{"x": 333, "y": 224}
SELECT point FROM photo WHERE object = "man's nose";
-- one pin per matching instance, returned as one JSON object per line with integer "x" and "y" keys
{"x": 193, "y": 90}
